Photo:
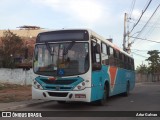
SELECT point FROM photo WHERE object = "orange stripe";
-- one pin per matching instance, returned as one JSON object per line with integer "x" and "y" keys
{"x": 112, "y": 71}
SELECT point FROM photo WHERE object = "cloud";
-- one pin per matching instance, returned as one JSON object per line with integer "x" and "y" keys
{"x": 86, "y": 11}
{"x": 136, "y": 13}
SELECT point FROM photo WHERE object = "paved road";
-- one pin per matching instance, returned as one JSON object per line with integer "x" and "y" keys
{"x": 145, "y": 97}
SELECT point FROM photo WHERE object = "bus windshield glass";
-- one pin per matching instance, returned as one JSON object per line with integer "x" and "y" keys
{"x": 61, "y": 59}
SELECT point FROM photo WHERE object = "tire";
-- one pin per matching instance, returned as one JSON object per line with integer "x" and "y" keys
{"x": 127, "y": 89}
{"x": 105, "y": 96}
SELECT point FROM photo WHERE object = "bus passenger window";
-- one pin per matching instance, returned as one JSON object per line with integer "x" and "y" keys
{"x": 108, "y": 50}
{"x": 96, "y": 58}
{"x": 111, "y": 57}
{"x": 120, "y": 60}
{"x": 123, "y": 62}
{"x": 126, "y": 63}
{"x": 104, "y": 54}
{"x": 111, "y": 51}
{"x": 115, "y": 57}
{"x": 104, "y": 48}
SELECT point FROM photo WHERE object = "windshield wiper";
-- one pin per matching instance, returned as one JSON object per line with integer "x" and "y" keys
{"x": 49, "y": 48}
{"x": 65, "y": 52}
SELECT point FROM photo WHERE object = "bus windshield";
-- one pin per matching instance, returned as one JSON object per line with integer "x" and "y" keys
{"x": 61, "y": 59}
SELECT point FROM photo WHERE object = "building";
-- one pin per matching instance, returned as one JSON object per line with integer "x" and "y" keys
{"x": 28, "y": 35}
{"x": 25, "y": 32}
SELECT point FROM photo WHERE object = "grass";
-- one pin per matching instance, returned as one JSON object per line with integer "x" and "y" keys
{"x": 14, "y": 92}
{"x": 4, "y": 86}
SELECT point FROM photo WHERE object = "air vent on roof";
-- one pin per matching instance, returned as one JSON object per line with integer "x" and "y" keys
{"x": 110, "y": 40}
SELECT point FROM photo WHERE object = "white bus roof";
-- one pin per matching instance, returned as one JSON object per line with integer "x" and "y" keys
{"x": 108, "y": 42}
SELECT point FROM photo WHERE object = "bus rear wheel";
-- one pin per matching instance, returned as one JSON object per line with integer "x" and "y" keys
{"x": 127, "y": 89}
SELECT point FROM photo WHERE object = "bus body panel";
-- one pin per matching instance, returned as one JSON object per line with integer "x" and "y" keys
{"x": 98, "y": 80}
{"x": 117, "y": 79}
{"x": 96, "y": 88}
{"x": 39, "y": 94}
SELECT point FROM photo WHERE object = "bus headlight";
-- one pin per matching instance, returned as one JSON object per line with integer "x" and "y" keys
{"x": 37, "y": 85}
{"x": 80, "y": 86}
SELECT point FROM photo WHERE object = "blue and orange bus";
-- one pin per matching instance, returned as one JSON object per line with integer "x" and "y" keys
{"x": 80, "y": 65}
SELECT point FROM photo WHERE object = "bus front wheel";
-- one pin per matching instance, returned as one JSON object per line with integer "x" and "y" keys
{"x": 105, "y": 96}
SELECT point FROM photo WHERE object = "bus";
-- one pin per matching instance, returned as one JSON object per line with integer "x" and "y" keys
{"x": 80, "y": 65}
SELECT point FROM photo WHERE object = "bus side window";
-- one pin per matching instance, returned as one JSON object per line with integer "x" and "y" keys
{"x": 120, "y": 60}
{"x": 111, "y": 57}
{"x": 96, "y": 57}
{"x": 125, "y": 62}
{"x": 108, "y": 50}
{"x": 129, "y": 62}
{"x": 104, "y": 54}
{"x": 133, "y": 64}
{"x": 115, "y": 57}
{"x": 129, "y": 65}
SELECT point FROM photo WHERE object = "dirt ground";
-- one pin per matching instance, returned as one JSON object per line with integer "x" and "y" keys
{"x": 14, "y": 93}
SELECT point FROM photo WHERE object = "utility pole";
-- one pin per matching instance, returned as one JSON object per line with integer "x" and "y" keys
{"x": 129, "y": 46}
{"x": 124, "y": 34}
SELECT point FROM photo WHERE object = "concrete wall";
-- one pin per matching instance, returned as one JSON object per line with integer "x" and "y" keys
{"x": 16, "y": 76}
{"x": 23, "y": 77}
{"x": 147, "y": 77}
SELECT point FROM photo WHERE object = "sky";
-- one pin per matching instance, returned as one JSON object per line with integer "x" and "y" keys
{"x": 105, "y": 17}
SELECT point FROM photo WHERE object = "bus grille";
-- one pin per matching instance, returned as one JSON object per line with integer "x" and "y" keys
{"x": 59, "y": 82}
{"x": 55, "y": 94}
{"x": 60, "y": 88}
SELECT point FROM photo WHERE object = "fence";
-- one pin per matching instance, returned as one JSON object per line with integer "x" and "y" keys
{"x": 147, "y": 77}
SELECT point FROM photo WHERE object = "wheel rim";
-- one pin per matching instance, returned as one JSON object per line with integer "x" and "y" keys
{"x": 104, "y": 94}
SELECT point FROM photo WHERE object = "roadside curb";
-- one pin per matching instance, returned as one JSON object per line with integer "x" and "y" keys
{"x": 31, "y": 103}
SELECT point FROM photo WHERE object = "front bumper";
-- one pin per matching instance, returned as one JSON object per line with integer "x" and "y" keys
{"x": 62, "y": 95}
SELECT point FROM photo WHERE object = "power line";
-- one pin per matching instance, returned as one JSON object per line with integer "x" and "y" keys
{"x": 151, "y": 29}
{"x": 132, "y": 7}
{"x": 141, "y": 16}
{"x": 142, "y": 21}
{"x": 145, "y": 39}
{"x": 139, "y": 55}
{"x": 147, "y": 22}
{"x": 151, "y": 24}
{"x": 140, "y": 50}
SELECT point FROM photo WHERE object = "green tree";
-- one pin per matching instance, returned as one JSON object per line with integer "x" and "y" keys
{"x": 12, "y": 46}
{"x": 142, "y": 69}
{"x": 154, "y": 61}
